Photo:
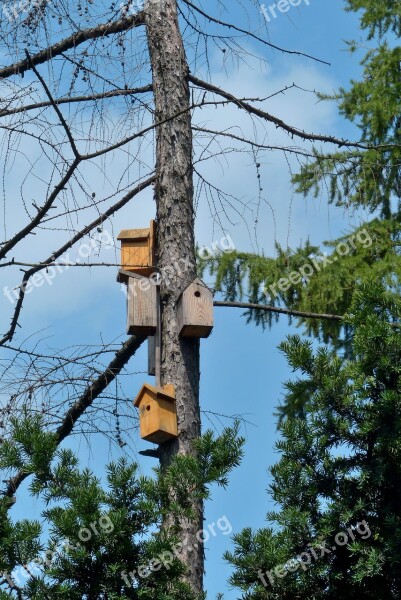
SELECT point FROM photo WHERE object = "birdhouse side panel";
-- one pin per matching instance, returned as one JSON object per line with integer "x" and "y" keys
{"x": 168, "y": 417}
{"x": 138, "y": 250}
{"x": 153, "y": 242}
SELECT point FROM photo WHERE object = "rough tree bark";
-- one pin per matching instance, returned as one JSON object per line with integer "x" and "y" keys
{"x": 176, "y": 245}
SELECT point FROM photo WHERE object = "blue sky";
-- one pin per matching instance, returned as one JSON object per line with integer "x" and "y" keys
{"x": 241, "y": 369}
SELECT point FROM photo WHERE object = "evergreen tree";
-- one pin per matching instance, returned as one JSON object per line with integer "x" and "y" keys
{"x": 365, "y": 176}
{"x": 104, "y": 542}
{"x": 337, "y": 532}
{"x": 311, "y": 279}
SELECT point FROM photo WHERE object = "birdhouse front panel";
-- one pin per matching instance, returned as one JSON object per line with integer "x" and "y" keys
{"x": 138, "y": 250}
{"x": 135, "y": 255}
{"x": 142, "y": 307}
{"x": 195, "y": 311}
{"x": 157, "y": 414}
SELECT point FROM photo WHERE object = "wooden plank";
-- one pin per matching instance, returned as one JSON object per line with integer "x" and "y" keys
{"x": 151, "y": 355}
{"x": 158, "y": 356}
{"x": 134, "y": 234}
{"x": 135, "y": 255}
{"x": 142, "y": 308}
{"x": 153, "y": 243}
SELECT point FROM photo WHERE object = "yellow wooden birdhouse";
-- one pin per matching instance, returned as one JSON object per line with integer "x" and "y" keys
{"x": 138, "y": 247}
{"x": 195, "y": 310}
{"x": 157, "y": 413}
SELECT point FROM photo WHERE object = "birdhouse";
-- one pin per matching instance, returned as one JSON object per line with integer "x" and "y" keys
{"x": 142, "y": 305}
{"x": 157, "y": 413}
{"x": 138, "y": 247}
{"x": 195, "y": 311}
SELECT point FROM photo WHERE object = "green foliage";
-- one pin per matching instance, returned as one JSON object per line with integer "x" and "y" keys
{"x": 369, "y": 178}
{"x": 366, "y": 178}
{"x": 378, "y": 16}
{"x": 340, "y": 468}
{"x": 373, "y": 253}
{"x": 30, "y": 449}
{"x": 102, "y": 541}
{"x": 211, "y": 462}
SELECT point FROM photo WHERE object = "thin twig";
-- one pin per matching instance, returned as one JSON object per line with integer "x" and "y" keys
{"x": 54, "y": 105}
{"x": 252, "y": 35}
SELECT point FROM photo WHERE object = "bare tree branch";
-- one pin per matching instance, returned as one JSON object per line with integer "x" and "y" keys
{"x": 76, "y": 99}
{"x": 285, "y": 311}
{"x": 293, "y": 131}
{"x": 85, "y": 401}
{"x": 72, "y": 42}
{"x": 276, "y": 309}
{"x": 28, "y": 274}
{"x": 54, "y": 105}
{"x": 41, "y": 212}
{"x": 238, "y": 138}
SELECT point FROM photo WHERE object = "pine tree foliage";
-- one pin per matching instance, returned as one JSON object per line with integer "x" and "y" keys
{"x": 340, "y": 467}
{"x": 365, "y": 177}
{"x": 104, "y": 538}
{"x": 370, "y": 253}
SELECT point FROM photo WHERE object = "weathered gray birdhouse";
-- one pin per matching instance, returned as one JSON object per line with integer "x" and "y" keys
{"x": 142, "y": 305}
{"x": 195, "y": 311}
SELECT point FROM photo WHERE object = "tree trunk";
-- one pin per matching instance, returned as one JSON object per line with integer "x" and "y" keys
{"x": 176, "y": 245}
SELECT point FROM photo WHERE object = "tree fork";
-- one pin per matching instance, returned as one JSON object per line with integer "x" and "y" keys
{"x": 176, "y": 244}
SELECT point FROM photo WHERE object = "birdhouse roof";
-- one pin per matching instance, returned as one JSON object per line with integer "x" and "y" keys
{"x": 156, "y": 392}
{"x": 134, "y": 234}
{"x": 124, "y": 276}
{"x": 199, "y": 282}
